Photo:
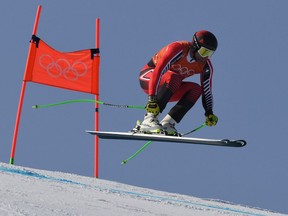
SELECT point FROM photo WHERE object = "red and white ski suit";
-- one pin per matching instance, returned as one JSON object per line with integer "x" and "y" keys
{"x": 168, "y": 68}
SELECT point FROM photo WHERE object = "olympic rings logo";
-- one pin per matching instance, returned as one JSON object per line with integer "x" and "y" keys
{"x": 62, "y": 67}
{"x": 182, "y": 70}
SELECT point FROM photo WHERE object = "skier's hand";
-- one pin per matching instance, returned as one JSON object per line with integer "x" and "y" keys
{"x": 211, "y": 120}
{"x": 152, "y": 106}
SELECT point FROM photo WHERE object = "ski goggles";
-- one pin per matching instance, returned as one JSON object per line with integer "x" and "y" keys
{"x": 205, "y": 52}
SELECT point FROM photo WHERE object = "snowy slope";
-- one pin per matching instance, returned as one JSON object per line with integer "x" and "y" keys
{"x": 26, "y": 191}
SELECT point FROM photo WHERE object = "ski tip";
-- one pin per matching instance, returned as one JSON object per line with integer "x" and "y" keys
{"x": 242, "y": 142}
{"x": 234, "y": 143}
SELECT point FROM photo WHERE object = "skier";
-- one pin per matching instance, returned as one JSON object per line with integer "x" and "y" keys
{"x": 162, "y": 79}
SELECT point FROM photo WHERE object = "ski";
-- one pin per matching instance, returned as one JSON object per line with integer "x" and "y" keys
{"x": 166, "y": 138}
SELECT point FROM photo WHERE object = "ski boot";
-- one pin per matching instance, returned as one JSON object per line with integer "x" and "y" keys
{"x": 150, "y": 125}
{"x": 169, "y": 129}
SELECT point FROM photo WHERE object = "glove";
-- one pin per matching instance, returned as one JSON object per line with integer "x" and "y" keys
{"x": 152, "y": 106}
{"x": 211, "y": 120}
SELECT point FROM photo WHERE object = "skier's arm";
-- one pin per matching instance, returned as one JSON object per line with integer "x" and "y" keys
{"x": 207, "y": 97}
{"x": 206, "y": 82}
{"x": 173, "y": 53}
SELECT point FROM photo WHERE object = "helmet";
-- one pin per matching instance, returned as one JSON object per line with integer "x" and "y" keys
{"x": 205, "y": 39}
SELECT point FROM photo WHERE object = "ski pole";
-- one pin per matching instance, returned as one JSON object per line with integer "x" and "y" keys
{"x": 149, "y": 142}
{"x": 89, "y": 101}
{"x": 136, "y": 153}
{"x": 196, "y": 129}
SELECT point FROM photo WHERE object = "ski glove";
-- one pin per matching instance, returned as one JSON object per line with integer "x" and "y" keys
{"x": 211, "y": 120}
{"x": 152, "y": 106}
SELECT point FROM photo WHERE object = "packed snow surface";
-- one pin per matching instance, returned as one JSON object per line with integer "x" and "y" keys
{"x": 26, "y": 191}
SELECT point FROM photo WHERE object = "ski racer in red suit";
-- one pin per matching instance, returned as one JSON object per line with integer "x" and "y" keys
{"x": 162, "y": 78}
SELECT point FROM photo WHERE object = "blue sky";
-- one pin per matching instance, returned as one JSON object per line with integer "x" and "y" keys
{"x": 249, "y": 90}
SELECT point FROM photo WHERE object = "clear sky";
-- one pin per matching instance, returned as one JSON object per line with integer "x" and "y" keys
{"x": 249, "y": 87}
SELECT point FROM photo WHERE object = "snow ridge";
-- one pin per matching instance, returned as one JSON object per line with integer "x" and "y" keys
{"x": 18, "y": 183}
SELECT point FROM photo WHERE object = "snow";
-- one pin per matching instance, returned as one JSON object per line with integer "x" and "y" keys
{"x": 27, "y": 191}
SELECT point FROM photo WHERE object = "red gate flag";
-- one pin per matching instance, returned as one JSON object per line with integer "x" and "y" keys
{"x": 77, "y": 70}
